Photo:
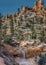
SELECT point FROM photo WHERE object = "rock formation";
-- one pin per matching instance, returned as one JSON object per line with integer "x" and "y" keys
{"x": 23, "y": 34}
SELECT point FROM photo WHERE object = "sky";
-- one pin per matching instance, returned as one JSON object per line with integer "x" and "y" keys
{"x": 11, "y": 6}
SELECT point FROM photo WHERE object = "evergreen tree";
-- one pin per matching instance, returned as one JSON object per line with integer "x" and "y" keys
{"x": 0, "y": 27}
{"x": 11, "y": 26}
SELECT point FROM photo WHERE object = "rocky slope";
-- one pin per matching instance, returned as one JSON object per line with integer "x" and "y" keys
{"x": 27, "y": 24}
{"x": 23, "y": 36}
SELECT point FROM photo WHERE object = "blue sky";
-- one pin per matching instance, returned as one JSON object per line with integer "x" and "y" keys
{"x": 11, "y": 6}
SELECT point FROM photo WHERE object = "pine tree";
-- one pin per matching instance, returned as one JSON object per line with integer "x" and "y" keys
{"x": 0, "y": 27}
{"x": 11, "y": 26}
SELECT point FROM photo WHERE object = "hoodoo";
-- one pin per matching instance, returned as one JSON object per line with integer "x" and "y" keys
{"x": 39, "y": 5}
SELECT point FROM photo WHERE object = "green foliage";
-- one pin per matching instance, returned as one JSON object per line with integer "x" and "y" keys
{"x": 0, "y": 27}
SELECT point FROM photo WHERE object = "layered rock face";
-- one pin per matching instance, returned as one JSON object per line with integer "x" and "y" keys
{"x": 10, "y": 55}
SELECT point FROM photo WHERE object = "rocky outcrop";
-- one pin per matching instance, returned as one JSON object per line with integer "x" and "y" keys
{"x": 32, "y": 51}
{"x": 6, "y": 57}
{"x": 9, "y": 53}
